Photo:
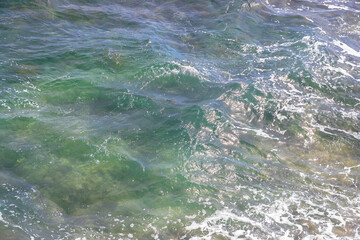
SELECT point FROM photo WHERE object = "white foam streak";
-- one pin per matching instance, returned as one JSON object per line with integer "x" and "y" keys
{"x": 260, "y": 132}
{"x": 326, "y": 129}
{"x": 216, "y": 224}
{"x": 347, "y": 48}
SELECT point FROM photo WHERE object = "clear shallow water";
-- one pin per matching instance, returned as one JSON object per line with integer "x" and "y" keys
{"x": 179, "y": 119}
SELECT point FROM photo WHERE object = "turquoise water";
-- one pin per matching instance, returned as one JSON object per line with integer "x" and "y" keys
{"x": 179, "y": 119}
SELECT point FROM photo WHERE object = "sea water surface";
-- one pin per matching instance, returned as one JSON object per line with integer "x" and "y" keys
{"x": 207, "y": 119}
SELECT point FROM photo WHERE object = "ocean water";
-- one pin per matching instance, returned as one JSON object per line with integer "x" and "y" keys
{"x": 207, "y": 119}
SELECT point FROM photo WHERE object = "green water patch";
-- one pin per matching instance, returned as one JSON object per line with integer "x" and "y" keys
{"x": 25, "y": 134}
{"x": 65, "y": 172}
{"x": 81, "y": 174}
{"x": 250, "y": 104}
{"x": 80, "y": 59}
{"x": 175, "y": 79}
{"x": 19, "y": 4}
{"x": 73, "y": 91}
{"x": 305, "y": 79}
{"x": 129, "y": 175}
{"x": 8, "y": 157}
